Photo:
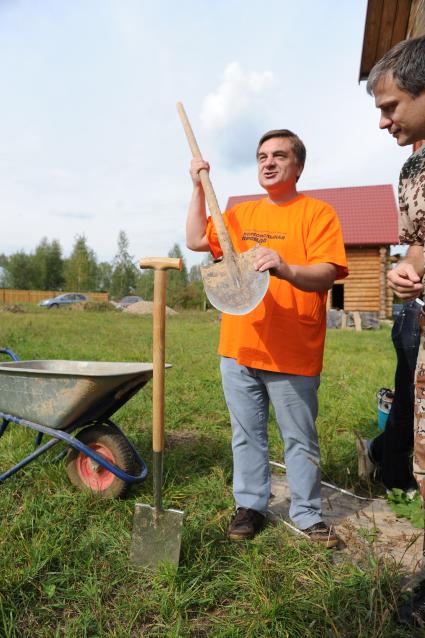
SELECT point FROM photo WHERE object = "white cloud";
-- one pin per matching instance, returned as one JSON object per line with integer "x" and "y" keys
{"x": 233, "y": 115}
{"x": 234, "y": 96}
{"x": 92, "y": 129}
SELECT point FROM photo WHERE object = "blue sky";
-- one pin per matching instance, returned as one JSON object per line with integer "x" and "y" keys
{"x": 90, "y": 139}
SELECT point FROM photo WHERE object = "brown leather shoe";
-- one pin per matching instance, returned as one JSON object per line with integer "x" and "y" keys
{"x": 321, "y": 533}
{"x": 366, "y": 468}
{"x": 245, "y": 524}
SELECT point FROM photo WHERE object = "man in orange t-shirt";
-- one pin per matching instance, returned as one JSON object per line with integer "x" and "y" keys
{"x": 275, "y": 352}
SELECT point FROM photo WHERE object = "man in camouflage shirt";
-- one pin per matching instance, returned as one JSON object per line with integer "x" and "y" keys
{"x": 397, "y": 82}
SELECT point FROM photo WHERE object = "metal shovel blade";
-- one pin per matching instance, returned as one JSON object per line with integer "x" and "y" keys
{"x": 156, "y": 536}
{"x": 235, "y": 287}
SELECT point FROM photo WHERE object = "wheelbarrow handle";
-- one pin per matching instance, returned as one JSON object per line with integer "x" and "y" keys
{"x": 10, "y": 353}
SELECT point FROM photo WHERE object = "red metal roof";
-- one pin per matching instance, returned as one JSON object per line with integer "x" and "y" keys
{"x": 368, "y": 214}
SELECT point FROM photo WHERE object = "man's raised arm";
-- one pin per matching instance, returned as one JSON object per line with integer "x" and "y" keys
{"x": 310, "y": 278}
{"x": 197, "y": 217}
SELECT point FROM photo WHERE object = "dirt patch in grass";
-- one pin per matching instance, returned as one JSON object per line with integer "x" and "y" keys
{"x": 181, "y": 437}
{"x": 145, "y": 308}
{"x": 94, "y": 306}
{"x": 11, "y": 308}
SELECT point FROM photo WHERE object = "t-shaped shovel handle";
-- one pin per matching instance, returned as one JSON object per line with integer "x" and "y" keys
{"x": 160, "y": 265}
{"x": 157, "y": 532}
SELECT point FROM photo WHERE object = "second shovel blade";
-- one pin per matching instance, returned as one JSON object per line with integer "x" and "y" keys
{"x": 156, "y": 536}
{"x": 235, "y": 296}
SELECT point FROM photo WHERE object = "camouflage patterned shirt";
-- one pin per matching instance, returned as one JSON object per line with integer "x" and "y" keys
{"x": 411, "y": 194}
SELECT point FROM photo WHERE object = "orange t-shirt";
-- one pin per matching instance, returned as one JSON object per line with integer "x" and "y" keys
{"x": 286, "y": 331}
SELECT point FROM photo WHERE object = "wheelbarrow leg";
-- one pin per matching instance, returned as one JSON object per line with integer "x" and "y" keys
{"x": 3, "y": 426}
{"x": 29, "y": 459}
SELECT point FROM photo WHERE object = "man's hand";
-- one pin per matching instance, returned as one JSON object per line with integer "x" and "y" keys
{"x": 197, "y": 165}
{"x": 268, "y": 259}
{"x": 405, "y": 281}
{"x": 313, "y": 278}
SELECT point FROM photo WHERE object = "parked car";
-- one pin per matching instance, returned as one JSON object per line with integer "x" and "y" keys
{"x": 127, "y": 301}
{"x": 64, "y": 300}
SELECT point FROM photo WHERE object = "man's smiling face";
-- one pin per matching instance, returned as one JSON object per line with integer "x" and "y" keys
{"x": 401, "y": 114}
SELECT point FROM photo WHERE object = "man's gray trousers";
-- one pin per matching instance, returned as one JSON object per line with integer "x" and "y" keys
{"x": 248, "y": 392}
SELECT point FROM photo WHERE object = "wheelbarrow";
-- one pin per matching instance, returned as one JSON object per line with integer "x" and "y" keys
{"x": 57, "y": 398}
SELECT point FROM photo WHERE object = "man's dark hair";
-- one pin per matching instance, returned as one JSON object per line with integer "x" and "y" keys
{"x": 297, "y": 144}
{"x": 406, "y": 63}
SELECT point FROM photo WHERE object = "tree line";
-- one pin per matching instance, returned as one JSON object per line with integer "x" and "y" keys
{"x": 47, "y": 269}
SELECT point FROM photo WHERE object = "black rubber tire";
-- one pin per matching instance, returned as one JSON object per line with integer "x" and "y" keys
{"x": 53, "y": 305}
{"x": 118, "y": 447}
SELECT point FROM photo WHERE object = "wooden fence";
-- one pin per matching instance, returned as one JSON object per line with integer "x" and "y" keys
{"x": 12, "y": 296}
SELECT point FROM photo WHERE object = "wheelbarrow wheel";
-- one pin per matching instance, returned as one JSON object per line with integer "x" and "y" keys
{"x": 85, "y": 473}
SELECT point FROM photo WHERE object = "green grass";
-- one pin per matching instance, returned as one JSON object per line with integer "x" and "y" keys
{"x": 64, "y": 567}
{"x": 405, "y": 507}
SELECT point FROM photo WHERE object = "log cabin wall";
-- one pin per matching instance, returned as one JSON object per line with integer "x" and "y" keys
{"x": 366, "y": 288}
{"x": 416, "y": 26}
{"x": 387, "y": 23}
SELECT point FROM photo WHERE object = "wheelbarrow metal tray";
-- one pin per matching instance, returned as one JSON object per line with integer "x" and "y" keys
{"x": 59, "y": 393}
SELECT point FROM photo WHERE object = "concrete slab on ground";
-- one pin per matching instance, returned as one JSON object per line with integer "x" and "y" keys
{"x": 358, "y": 522}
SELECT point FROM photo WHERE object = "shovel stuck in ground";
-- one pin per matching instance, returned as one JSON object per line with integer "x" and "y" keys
{"x": 232, "y": 285}
{"x": 157, "y": 532}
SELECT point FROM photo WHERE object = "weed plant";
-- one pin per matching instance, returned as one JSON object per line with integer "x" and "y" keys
{"x": 65, "y": 568}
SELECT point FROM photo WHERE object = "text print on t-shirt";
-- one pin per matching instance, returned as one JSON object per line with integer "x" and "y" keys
{"x": 261, "y": 236}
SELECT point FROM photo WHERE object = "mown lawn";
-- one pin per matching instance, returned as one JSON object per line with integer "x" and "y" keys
{"x": 64, "y": 554}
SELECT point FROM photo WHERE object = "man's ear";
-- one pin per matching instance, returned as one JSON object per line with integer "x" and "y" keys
{"x": 299, "y": 172}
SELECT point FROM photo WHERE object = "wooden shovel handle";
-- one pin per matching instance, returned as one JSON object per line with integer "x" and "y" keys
{"x": 223, "y": 235}
{"x": 160, "y": 265}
